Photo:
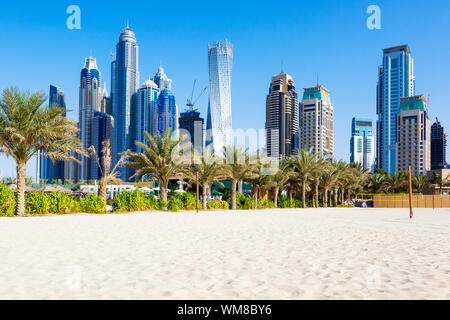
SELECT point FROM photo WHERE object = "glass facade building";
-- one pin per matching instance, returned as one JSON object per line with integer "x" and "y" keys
{"x": 282, "y": 124}
{"x": 219, "y": 122}
{"x": 396, "y": 80}
{"x": 438, "y": 147}
{"x": 167, "y": 112}
{"x": 90, "y": 102}
{"x": 146, "y": 120}
{"x": 46, "y": 169}
{"x": 126, "y": 83}
{"x": 102, "y": 130}
{"x": 362, "y": 143}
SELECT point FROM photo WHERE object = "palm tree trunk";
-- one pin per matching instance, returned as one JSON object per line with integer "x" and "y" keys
{"x": 163, "y": 185}
{"x": 240, "y": 187}
{"x": 233, "y": 194}
{"x": 336, "y": 197}
{"x": 290, "y": 197}
{"x": 255, "y": 205}
{"x": 21, "y": 174}
{"x": 325, "y": 197}
{"x": 102, "y": 191}
{"x": 204, "y": 192}
{"x": 304, "y": 193}
{"x": 277, "y": 190}
{"x": 316, "y": 188}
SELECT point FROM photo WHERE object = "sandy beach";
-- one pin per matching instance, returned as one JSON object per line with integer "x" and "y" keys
{"x": 274, "y": 254}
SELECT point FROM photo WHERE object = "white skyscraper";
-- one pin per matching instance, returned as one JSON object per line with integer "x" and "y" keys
{"x": 219, "y": 123}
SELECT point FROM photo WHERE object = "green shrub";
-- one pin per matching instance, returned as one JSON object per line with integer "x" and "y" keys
{"x": 37, "y": 202}
{"x": 190, "y": 201}
{"x": 218, "y": 204}
{"x": 7, "y": 202}
{"x": 128, "y": 201}
{"x": 92, "y": 204}
{"x": 62, "y": 203}
{"x": 265, "y": 204}
{"x": 175, "y": 203}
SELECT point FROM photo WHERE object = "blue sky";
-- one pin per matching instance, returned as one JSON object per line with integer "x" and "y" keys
{"x": 328, "y": 40}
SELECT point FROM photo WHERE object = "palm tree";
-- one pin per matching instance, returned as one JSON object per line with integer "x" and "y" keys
{"x": 420, "y": 182}
{"x": 397, "y": 183}
{"x": 26, "y": 128}
{"x": 330, "y": 178}
{"x": 209, "y": 171}
{"x": 237, "y": 167}
{"x": 108, "y": 174}
{"x": 164, "y": 158}
{"x": 303, "y": 164}
{"x": 258, "y": 175}
{"x": 440, "y": 181}
{"x": 278, "y": 181}
{"x": 377, "y": 183}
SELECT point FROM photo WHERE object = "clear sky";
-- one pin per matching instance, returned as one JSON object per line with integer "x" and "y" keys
{"x": 325, "y": 39}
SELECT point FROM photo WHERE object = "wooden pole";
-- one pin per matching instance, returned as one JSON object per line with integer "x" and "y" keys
{"x": 411, "y": 213}
{"x": 198, "y": 204}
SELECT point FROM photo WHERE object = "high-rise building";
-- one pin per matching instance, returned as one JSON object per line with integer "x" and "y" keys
{"x": 105, "y": 105}
{"x": 282, "y": 126}
{"x": 219, "y": 123}
{"x": 167, "y": 112}
{"x": 413, "y": 136}
{"x": 90, "y": 102}
{"x": 48, "y": 170}
{"x": 162, "y": 81}
{"x": 146, "y": 104}
{"x": 317, "y": 122}
{"x": 362, "y": 143}
{"x": 395, "y": 80}
{"x": 438, "y": 147}
{"x": 191, "y": 122}
{"x": 126, "y": 83}
{"x": 102, "y": 130}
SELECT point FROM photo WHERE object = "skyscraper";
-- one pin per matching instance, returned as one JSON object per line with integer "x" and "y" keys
{"x": 317, "y": 122}
{"x": 282, "y": 127}
{"x": 395, "y": 80}
{"x": 146, "y": 104}
{"x": 413, "y": 136}
{"x": 362, "y": 143}
{"x": 438, "y": 147}
{"x": 59, "y": 170}
{"x": 102, "y": 130}
{"x": 90, "y": 101}
{"x": 105, "y": 104}
{"x": 167, "y": 112}
{"x": 219, "y": 123}
{"x": 126, "y": 83}
{"x": 192, "y": 123}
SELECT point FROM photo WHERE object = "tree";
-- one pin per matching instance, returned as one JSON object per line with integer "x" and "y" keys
{"x": 420, "y": 182}
{"x": 377, "y": 183}
{"x": 209, "y": 170}
{"x": 237, "y": 167}
{"x": 164, "y": 158}
{"x": 303, "y": 165}
{"x": 330, "y": 178}
{"x": 397, "y": 182}
{"x": 108, "y": 174}
{"x": 26, "y": 128}
{"x": 278, "y": 181}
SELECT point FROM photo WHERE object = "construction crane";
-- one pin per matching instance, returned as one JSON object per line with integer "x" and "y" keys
{"x": 191, "y": 102}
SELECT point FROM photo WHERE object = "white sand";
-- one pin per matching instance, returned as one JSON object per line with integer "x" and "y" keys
{"x": 293, "y": 254}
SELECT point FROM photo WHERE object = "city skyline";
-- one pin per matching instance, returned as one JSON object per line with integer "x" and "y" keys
{"x": 251, "y": 71}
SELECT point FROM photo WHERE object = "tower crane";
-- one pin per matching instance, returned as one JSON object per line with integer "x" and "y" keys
{"x": 191, "y": 102}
